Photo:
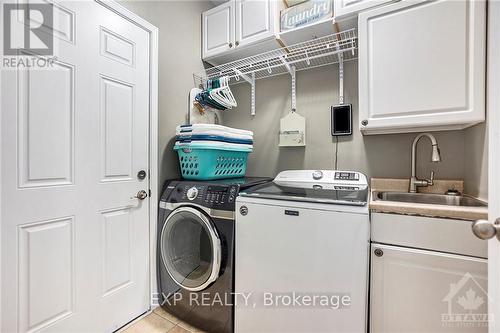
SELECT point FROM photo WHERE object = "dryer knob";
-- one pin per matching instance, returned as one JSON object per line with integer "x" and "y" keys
{"x": 317, "y": 175}
{"x": 192, "y": 193}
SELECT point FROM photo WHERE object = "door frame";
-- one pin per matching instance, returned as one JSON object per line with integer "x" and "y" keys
{"x": 153, "y": 134}
{"x": 117, "y": 8}
{"x": 493, "y": 109}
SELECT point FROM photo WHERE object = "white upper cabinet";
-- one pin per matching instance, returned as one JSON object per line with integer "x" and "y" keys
{"x": 255, "y": 20}
{"x": 422, "y": 66}
{"x": 240, "y": 28}
{"x": 347, "y": 8}
{"x": 218, "y": 29}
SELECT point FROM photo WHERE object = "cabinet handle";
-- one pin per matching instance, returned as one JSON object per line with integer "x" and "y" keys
{"x": 364, "y": 122}
{"x": 378, "y": 252}
{"x": 236, "y": 43}
{"x": 230, "y": 45}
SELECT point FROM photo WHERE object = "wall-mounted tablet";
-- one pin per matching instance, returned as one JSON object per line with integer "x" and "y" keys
{"x": 341, "y": 119}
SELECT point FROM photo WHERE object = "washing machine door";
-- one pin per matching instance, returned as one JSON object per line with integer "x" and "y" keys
{"x": 190, "y": 249}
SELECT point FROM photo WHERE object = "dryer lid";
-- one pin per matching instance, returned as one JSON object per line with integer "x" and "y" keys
{"x": 325, "y": 186}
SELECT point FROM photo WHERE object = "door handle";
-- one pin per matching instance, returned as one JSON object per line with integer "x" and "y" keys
{"x": 141, "y": 195}
{"x": 483, "y": 229}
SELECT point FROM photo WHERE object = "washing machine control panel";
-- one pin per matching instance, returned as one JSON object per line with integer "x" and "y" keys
{"x": 206, "y": 195}
{"x": 218, "y": 195}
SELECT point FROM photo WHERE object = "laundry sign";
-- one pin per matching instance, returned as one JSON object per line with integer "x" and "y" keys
{"x": 306, "y": 13}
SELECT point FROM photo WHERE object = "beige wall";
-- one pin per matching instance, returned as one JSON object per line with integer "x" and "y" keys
{"x": 476, "y": 163}
{"x": 377, "y": 156}
{"x": 179, "y": 24}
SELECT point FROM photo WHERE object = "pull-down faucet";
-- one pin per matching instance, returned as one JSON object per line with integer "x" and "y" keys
{"x": 435, "y": 157}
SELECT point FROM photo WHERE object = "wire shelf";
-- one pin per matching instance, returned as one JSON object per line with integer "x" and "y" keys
{"x": 331, "y": 49}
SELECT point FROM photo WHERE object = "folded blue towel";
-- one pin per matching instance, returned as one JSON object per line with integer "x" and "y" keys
{"x": 212, "y": 145}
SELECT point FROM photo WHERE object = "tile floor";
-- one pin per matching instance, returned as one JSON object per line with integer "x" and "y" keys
{"x": 160, "y": 321}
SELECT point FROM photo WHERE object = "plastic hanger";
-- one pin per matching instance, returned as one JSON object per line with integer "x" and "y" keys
{"x": 223, "y": 95}
{"x": 217, "y": 94}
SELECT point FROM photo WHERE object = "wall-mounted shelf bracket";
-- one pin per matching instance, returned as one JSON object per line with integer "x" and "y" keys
{"x": 291, "y": 71}
{"x": 294, "y": 89}
{"x": 250, "y": 79}
{"x": 341, "y": 78}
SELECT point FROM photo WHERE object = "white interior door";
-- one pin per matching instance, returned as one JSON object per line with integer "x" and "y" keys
{"x": 75, "y": 245}
{"x": 121, "y": 132}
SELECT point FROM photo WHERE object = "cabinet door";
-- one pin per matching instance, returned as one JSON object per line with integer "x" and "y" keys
{"x": 218, "y": 29}
{"x": 422, "y": 66}
{"x": 423, "y": 291}
{"x": 347, "y": 8}
{"x": 255, "y": 20}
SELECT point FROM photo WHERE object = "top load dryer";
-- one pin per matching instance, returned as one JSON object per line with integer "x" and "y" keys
{"x": 302, "y": 245}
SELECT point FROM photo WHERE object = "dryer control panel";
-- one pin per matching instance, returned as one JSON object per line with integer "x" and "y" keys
{"x": 207, "y": 195}
{"x": 346, "y": 175}
{"x": 324, "y": 178}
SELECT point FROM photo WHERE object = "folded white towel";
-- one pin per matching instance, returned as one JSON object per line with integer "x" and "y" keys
{"x": 196, "y": 128}
{"x": 216, "y": 133}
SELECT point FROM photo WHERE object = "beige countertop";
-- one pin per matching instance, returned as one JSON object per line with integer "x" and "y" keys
{"x": 431, "y": 210}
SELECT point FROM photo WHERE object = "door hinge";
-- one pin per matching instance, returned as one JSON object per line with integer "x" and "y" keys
{"x": 149, "y": 193}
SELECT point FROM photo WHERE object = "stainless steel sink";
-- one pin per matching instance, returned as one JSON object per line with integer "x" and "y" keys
{"x": 428, "y": 198}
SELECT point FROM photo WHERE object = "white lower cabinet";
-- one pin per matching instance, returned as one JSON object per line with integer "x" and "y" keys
{"x": 426, "y": 291}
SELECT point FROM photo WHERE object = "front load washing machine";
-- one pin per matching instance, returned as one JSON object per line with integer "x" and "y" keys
{"x": 195, "y": 250}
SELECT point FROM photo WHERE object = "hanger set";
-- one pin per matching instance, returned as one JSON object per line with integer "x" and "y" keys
{"x": 216, "y": 94}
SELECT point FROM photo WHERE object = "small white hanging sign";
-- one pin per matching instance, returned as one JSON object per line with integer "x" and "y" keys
{"x": 292, "y": 130}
